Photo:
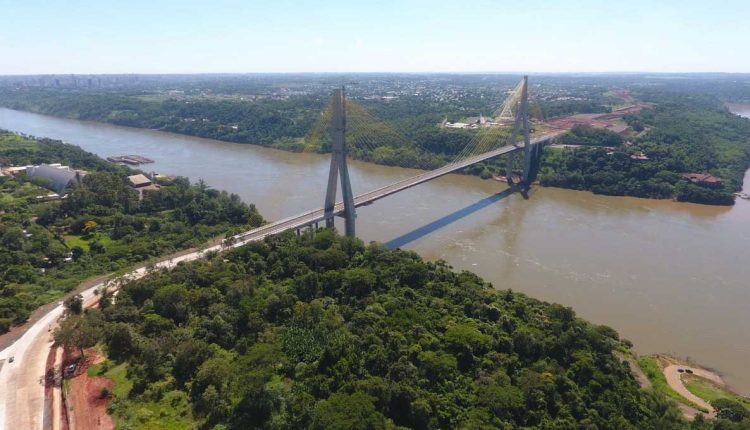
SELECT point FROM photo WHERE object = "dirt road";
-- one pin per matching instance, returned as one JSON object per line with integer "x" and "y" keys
{"x": 635, "y": 370}
{"x": 672, "y": 374}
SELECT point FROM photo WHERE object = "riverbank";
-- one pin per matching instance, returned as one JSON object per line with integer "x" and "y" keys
{"x": 694, "y": 387}
{"x": 741, "y": 109}
{"x": 556, "y": 245}
{"x": 620, "y": 179}
{"x": 435, "y": 293}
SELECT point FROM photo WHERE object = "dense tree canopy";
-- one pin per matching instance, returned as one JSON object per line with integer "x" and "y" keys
{"x": 102, "y": 226}
{"x": 322, "y": 332}
{"x": 688, "y": 131}
{"x": 685, "y": 135}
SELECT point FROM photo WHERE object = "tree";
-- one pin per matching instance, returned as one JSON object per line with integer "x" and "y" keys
{"x": 13, "y": 238}
{"x": 120, "y": 341}
{"x": 347, "y": 412}
{"x": 439, "y": 365}
{"x": 97, "y": 248}
{"x": 74, "y": 304}
{"x": 77, "y": 331}
{"x": 730, "y": 410}
{"x": 90, "y": 226}
{"x": 76, "y": 252}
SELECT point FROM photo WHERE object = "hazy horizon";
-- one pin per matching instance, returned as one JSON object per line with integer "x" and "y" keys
{"x": 335, "y": 36}
{"x": 396, "y": 72}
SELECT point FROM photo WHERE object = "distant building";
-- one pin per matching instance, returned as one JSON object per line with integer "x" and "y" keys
{"x": 479, "y": 120}
{"x": 703, "y": 179}
{"x": 48, "y": 197}
{"x": 61, "y": 177}
{"x": 139, "y": 180}
{"x": 14, "y": 170}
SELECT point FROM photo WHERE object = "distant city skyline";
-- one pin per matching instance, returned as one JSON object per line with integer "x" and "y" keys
{"x": 232, "y": 36}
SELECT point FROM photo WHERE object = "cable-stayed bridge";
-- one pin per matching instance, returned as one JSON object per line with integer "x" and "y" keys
{"x": 486, "y": 146}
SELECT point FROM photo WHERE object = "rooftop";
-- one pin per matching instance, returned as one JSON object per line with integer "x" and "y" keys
{"x": 139, "y": 180}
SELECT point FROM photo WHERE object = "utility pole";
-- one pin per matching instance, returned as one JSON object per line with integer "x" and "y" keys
{"x": 339, "y": 167}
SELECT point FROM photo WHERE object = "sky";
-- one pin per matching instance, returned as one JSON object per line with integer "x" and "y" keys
{"x": 228, "y": 36}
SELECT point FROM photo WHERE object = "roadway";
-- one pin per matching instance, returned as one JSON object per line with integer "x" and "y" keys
{"x": 22, "y": 397}
{"x": 316, "y": 215}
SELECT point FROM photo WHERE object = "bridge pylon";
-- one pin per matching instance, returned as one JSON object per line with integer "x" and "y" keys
{"x": 531, "y": 152}
{"x": 339, "y": 167}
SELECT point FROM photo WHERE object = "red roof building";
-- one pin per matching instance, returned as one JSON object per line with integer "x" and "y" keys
{"x": 703, "y": 179}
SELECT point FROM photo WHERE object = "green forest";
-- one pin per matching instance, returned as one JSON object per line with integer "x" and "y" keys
{"x": 320, "y": 331}
{"x": 282, "y": 124}
{"x": 685, "y": 134}
{"x": 399, "y": 132}
{"x": 687, "y": 131}
{"x": 48, "y": 248}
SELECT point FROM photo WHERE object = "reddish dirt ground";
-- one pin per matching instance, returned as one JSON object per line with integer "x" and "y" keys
{"x": 88, "y": 411}
{"x": 51, "y": 381}
{"x": 49, "y": 374}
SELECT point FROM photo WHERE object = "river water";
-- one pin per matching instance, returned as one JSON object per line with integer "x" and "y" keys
{"x": 671, "y": 277}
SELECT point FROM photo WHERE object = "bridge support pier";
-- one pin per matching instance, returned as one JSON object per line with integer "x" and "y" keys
{"x": 339, "y": 168}
{"x": 509, "y": 169}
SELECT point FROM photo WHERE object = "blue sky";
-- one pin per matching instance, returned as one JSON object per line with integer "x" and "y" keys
{"x": 186, "y": 36}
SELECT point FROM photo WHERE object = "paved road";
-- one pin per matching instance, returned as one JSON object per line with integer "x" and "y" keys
{"x": 22, "y": 382}
{"x": 317, "y": 215}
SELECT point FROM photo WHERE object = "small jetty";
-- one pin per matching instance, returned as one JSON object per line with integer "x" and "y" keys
{"x": 130, "y": 159}
{"x": 742, "y": 196}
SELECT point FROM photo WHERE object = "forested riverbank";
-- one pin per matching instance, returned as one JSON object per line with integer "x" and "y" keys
{"x": 684, "y": 133}
{"x": 101, "y": 225}
{"x": 322, "y": 332}
{"x": 121, "y": 368}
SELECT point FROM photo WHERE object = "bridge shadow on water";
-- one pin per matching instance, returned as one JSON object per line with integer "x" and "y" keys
{"x": 450, "y": 218}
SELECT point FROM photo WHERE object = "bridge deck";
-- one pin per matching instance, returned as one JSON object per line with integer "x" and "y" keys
{"x": 317, "y": 215}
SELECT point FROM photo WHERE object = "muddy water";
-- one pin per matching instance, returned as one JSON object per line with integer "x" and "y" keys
{"x": 670, "y": 277}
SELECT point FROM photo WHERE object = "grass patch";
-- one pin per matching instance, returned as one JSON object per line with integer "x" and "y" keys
{"x": 14, "y": 192}
{"x": 13, "y": 141}
{"x": 709, "y": 391}
{"x": 653, "y": 371}
{"x": 117, "y": 373}
{"x": 72, "y": 240}
{"x": 172, "y": 412}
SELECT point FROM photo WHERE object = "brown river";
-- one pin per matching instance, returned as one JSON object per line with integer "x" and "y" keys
{"x": 671, "y": 277}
